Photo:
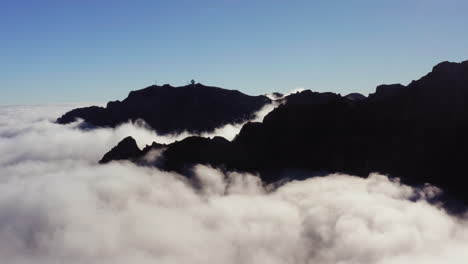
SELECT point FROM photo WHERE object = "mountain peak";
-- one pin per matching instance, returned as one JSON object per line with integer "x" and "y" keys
{"x": 194, "y": 108}
{"x": 445, "y": 66}
{"x": 125, "y": 150}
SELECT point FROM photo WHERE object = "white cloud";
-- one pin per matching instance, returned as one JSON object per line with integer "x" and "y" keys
{"x": 32, "y": 128}
{"x": 230, "y": 131}
{"x": 274, "y": 96}
{"x": 58, "y": 206}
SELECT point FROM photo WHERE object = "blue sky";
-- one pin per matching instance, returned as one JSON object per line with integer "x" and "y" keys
{"x": 99, "y": 50}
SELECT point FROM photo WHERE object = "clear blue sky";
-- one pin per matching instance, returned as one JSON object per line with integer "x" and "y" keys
{"x": 99, "y": 50}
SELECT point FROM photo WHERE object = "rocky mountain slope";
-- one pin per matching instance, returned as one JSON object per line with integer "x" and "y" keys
{"x": 417, "y": 132}
{"x": 194, "y": 108}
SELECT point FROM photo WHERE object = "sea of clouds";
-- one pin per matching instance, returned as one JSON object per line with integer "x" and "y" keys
{"x": 57, "y": 205}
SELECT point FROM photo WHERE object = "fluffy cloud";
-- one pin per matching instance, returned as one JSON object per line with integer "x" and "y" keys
{"x": 58, "y": 206}
{"x": 25, "y": 131}
{"x": 229, "y": 131}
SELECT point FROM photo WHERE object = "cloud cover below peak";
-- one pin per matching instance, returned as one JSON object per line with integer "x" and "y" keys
{"x": 58, "y": 205}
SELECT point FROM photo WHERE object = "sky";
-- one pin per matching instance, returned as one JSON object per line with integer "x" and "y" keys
{"x": 99, "y": 50}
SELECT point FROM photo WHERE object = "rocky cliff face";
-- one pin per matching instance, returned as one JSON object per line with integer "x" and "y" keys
{"x": 417, "y": 132}
{"x": 127, "y": 149}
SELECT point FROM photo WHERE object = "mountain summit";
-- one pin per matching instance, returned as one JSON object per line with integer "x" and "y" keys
{"x": 193, "y": 108}
{"x": 417, "y": 132}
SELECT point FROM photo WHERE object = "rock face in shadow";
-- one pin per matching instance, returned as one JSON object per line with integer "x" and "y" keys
{"x": 127, "y": 149}
{"x": 194, "y": 108}
{"x": 417, "y": 132}
{"x": 355, "y": 97}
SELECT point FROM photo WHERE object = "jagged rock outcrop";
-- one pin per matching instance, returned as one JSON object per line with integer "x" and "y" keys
{"x": 386, "y": 91}
{"x": 355, "y": 97}
{"x": 307, "y": 97}
{"x": 417, "y": 132}
{"x": 194, "y": 108}
{"x": 127, "y": 149}
{"x": 275, "y": 96}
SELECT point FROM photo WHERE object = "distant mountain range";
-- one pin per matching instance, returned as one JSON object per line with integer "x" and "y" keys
{"x": 417, "y": 132}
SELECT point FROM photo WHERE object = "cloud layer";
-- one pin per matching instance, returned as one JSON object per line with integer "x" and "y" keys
{"x": 58, "y": 206}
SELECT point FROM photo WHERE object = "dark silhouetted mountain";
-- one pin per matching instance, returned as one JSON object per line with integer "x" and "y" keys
{"x": 307, "y": 97}
{"x": 355, "y": 97}
{"x": 127, "y": 149}
{"x": 386, "y": 91}
{"x": 276, "y": 96}
{"x": 194, "y": 108}
{"x": 417, "y": 132}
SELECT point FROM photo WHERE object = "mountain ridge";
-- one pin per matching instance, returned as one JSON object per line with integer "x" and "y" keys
{"x": 193, "y": 108}
{"x": 417, "y": 132}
